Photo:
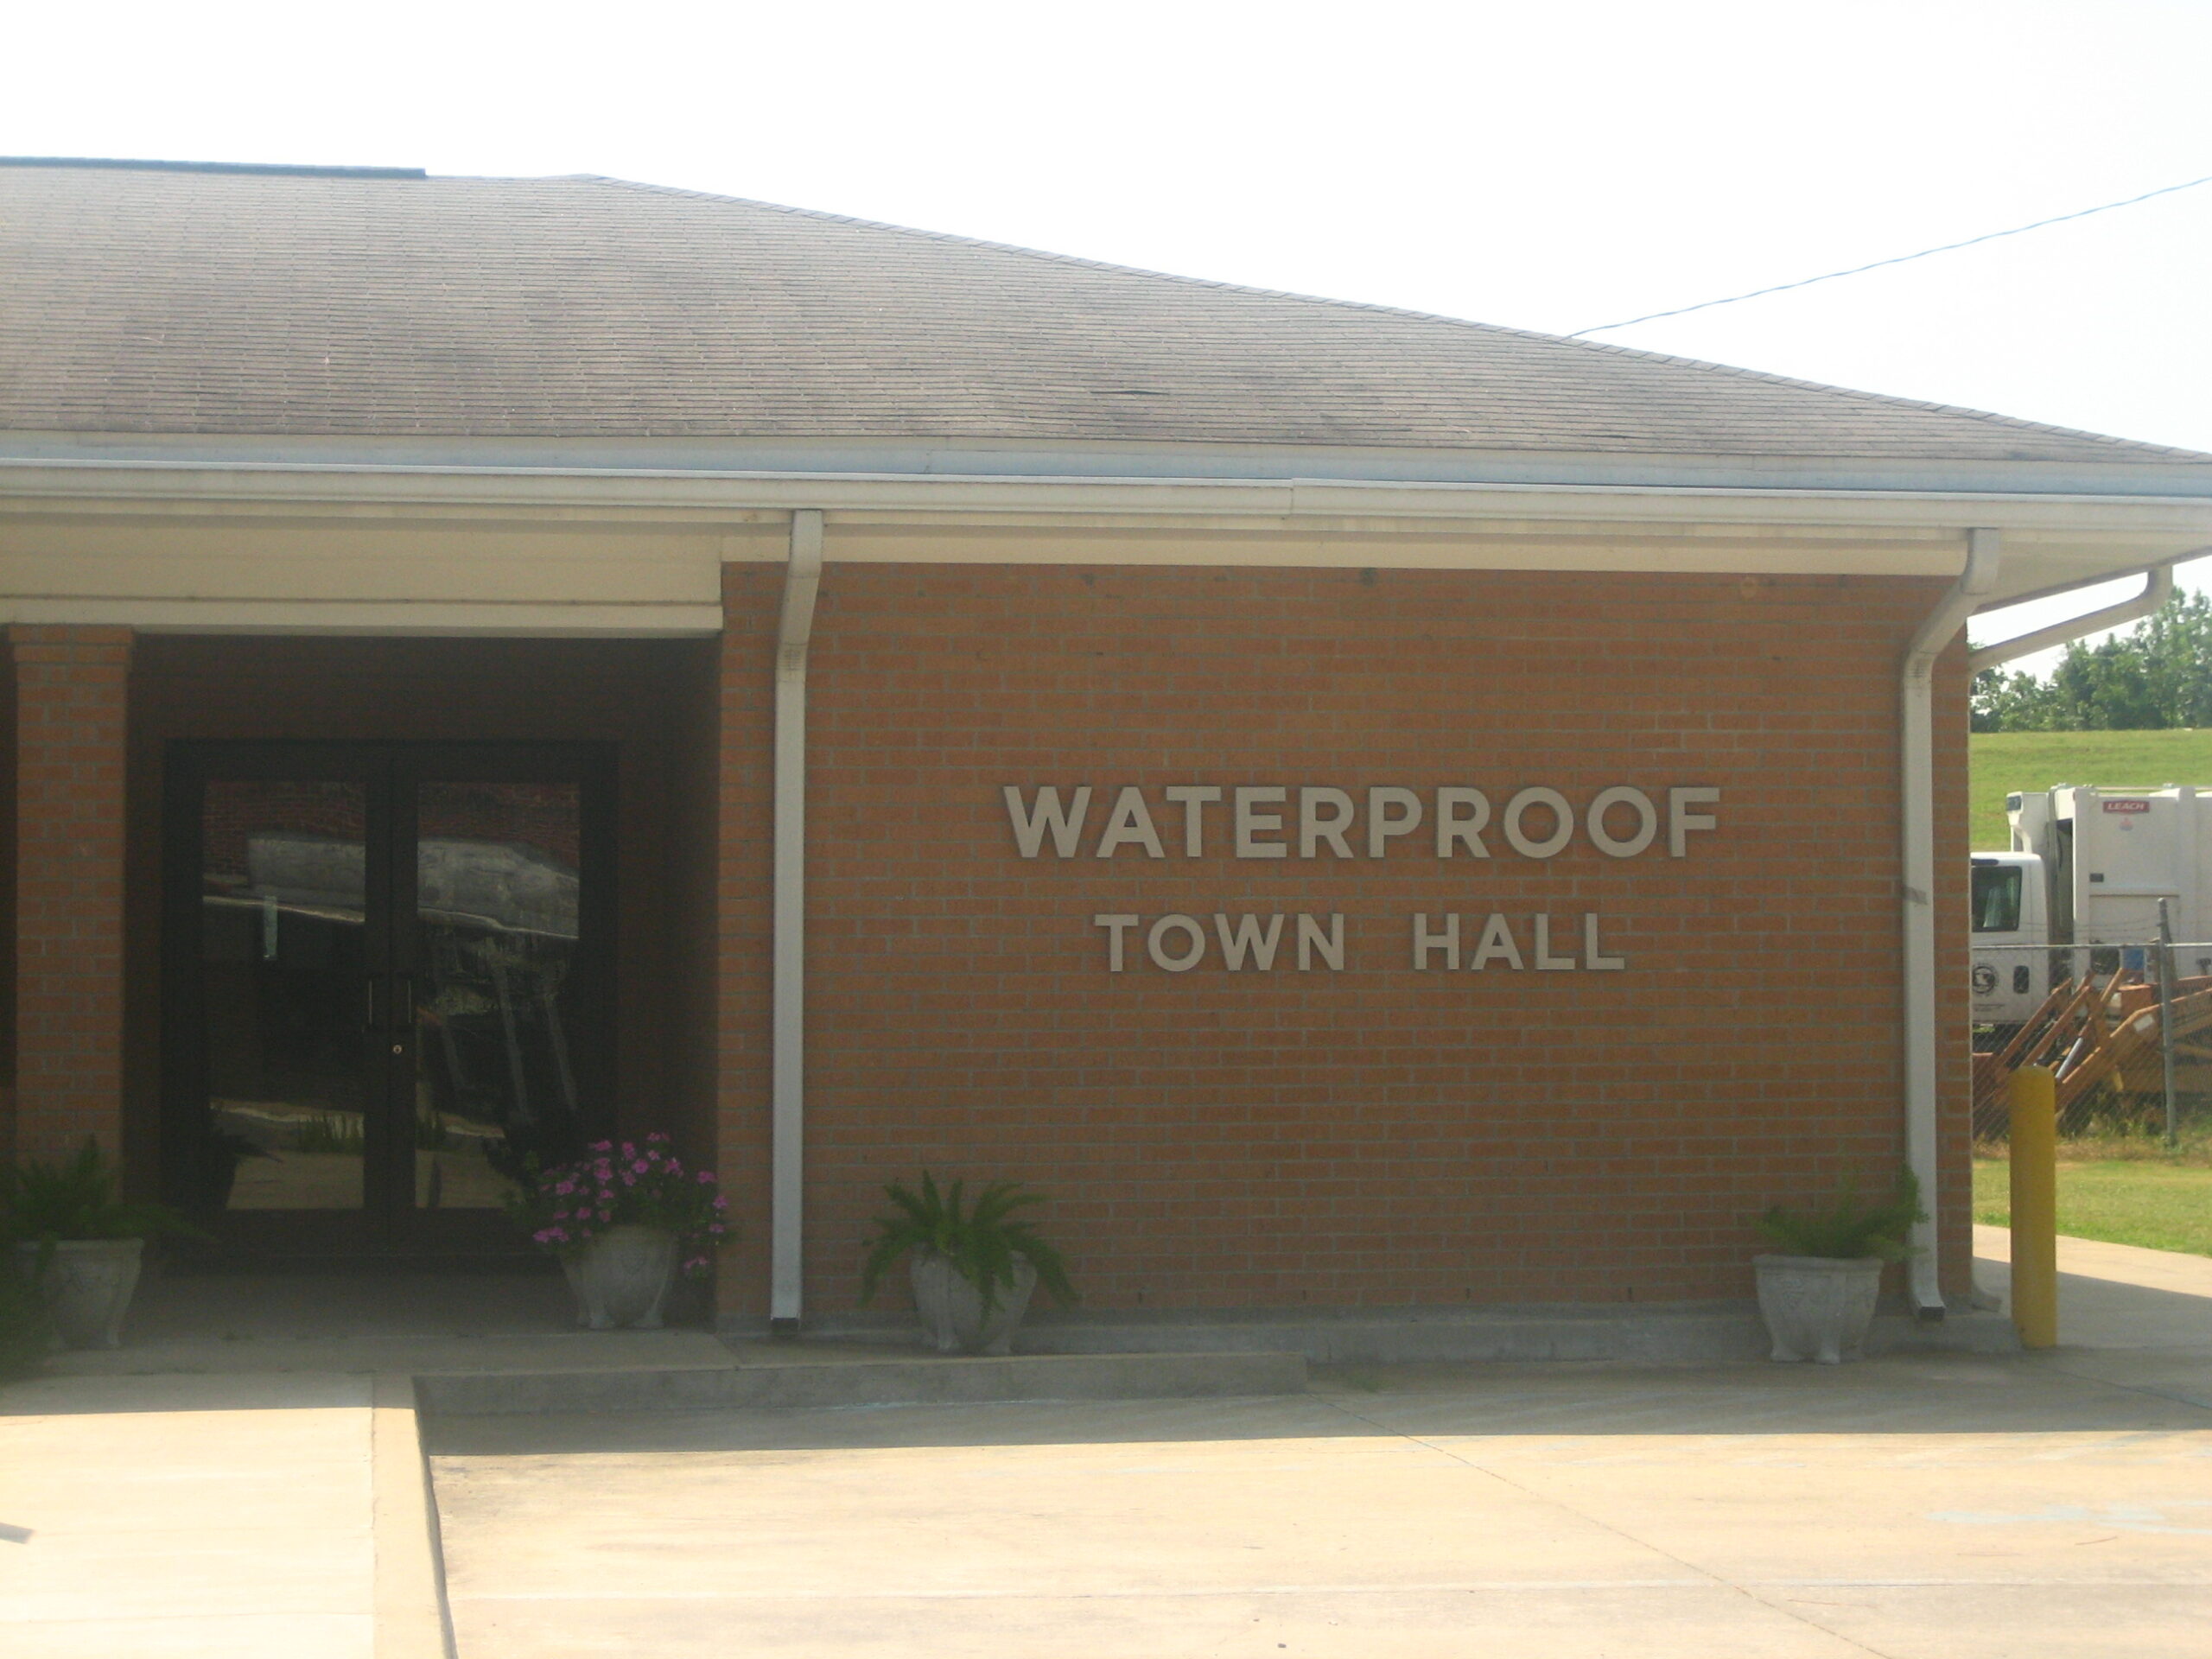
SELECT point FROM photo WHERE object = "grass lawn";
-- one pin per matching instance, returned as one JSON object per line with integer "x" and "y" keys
{"x": 2160, "y": 1206}
{"x": 2000, "y": 762}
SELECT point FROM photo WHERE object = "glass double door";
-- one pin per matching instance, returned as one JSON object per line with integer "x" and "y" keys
{"x": 388, "y": 982}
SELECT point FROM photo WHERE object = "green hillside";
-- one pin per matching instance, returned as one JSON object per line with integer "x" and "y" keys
{"x": 2004, "y": 761}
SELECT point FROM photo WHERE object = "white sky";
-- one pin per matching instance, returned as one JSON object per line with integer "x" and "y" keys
{"x": 1547, "y": 166}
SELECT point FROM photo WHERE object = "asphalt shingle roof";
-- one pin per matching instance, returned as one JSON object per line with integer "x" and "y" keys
{"x": 141, "y": 300}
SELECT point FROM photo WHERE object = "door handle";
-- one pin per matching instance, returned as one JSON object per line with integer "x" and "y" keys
{"x": 390, "y": 1002}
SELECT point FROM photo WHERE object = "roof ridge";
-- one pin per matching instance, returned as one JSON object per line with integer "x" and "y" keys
{"x": 2010, "y": 422}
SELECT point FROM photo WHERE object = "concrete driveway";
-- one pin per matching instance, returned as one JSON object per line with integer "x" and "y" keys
{"x": 2057, "y": 1504}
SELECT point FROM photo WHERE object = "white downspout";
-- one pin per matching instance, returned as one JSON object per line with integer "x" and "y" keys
{"x": 1915, "y": 793}
{"x": 1916, "y": 789}
{"x": 787, "y": 1053}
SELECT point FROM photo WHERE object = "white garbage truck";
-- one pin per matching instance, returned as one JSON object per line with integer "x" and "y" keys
{"x": 2086, "y": 870}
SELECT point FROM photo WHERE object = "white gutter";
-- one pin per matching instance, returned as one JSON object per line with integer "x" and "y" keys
{"x": 787, "y": 1061}
{"x": 2158, "y": 589}
{"x": 1915, "y": 795}
{"x": 376, "y": 488}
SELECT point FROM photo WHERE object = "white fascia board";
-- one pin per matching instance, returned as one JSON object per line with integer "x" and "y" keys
{"x": 426, "y": 618}
{"x": 2059, "y": 538}
{"x": 2124, "y": 471}
{"x": 380, "y": 488}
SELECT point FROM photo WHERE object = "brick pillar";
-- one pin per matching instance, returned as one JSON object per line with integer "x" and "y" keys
{"x": 751, "y": 594}
{"x": 71, "y": 687}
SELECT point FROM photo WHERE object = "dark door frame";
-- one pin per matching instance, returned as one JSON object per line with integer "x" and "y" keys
{"x": 387, "y": 1229}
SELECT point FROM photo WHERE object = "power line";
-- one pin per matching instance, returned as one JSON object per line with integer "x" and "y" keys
{"x": 1903, "y": 258}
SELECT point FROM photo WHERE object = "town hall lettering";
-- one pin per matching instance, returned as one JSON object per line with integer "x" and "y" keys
{"x": 1275, "y": 821}
{"x": 1281, "y": 820}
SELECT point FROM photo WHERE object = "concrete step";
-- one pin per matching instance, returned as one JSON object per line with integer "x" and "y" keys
{"x": 1700, "y": 1332}
{"x": 403, "y": 1355}
{"x": 1980, "y": 1330}
{"x": 865, "y": 1381}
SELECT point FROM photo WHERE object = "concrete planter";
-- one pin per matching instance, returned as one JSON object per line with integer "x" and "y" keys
{"x": 86, "y": 1285}
{"x": 622, "y": 1277}
{"x": 1817, "y": 1307}
{"x": 952, "y": 1308}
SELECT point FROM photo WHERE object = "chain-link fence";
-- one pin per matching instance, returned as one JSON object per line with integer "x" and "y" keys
{"x": 2125, "y": 1028}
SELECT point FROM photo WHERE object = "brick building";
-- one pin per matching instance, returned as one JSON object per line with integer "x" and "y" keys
{"x": 1366, "y": 810}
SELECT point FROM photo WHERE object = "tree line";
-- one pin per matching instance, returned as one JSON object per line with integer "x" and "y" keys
{"x": 2158, "y": 675}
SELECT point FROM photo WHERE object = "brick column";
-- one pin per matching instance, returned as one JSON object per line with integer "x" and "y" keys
{"x": 71, "y": 687}
{"x": 751, "y": 594}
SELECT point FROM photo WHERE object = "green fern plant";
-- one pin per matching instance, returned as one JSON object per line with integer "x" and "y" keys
{"x": 1849, "y": 1230}
{"x": 982, "y": 1242}
{"x": 44, "y": 1203}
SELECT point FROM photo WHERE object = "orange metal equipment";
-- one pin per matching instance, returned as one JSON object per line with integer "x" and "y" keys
{"x": 2086, "y": 1034}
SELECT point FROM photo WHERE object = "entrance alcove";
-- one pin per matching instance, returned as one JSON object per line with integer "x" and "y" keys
{"x": 401, "y": 909}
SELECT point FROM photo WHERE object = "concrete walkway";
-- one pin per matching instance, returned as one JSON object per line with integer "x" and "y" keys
{"x": 2113, "y": 1296}
{"x": 167, "y": 1516}
{"x": 244, "y": 1478}
{"x": 1921, "y": 1504}
{"x": 260, "y": 1491}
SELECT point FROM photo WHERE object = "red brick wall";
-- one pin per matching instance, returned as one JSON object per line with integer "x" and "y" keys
{"x": 745, "y": 807}
{"x": 72, "y": 687}
{"x": 1377, "y": 1135}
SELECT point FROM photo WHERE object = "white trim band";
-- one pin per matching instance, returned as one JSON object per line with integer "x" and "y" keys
{"x": 459, "y": 618}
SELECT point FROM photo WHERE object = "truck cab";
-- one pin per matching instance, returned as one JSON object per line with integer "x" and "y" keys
{"x": 2088, "y": 866}
{"x": 2009, "y": 904}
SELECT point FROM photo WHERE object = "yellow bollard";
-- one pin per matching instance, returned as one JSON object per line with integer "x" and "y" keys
{"x": 2032, "y": 1095}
